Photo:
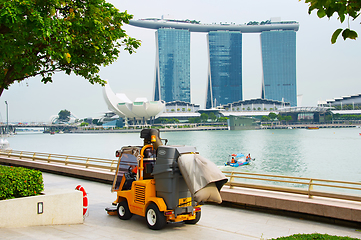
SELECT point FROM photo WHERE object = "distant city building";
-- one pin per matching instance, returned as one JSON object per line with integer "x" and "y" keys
{"x": 352, "y": 102}
{"x": 138, "y": 112}
{"x": 181, "y": 106}
{"x": 279, "y": 66}
{"x": 278, "y": 43}
{"x": 242, "y": 123}
{"x": 225, "y": 68}
{"x": 257, "y": 104}
{"x": 180, "y": 110}
{"x": 172, "y": 72}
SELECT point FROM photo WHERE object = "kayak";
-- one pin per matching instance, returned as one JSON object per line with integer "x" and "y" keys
{"x": 239, "y": 159}
{"x": 237, "y": 164}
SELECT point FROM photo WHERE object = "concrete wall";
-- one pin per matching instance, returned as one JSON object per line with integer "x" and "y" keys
{"x": 59, "y": 207}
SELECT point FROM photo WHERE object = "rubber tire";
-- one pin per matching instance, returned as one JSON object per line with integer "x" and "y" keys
{"x": 123, "y": 211}
{"x": 155, "y": 218}
{"x": 194, "y": 221}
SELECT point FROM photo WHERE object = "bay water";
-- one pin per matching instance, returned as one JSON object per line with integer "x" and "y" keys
{"x": 332, "y": 153}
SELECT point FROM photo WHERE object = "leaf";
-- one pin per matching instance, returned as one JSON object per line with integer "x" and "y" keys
{"x": 321, "y": 13}
{"x": 335, "y": 35}
{"x": 342, "y": 17}
{"x": 345, "y": 33}
{"x": 352, "y": 35}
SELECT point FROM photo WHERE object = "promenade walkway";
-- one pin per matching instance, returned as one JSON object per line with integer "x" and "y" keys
{"x": 217, "y": 221}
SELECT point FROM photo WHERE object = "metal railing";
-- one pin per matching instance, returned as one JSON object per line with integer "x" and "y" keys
{"x": 297, "y": 185}
{"x": 279, "y": 183}
{"x": 87, "y": 162}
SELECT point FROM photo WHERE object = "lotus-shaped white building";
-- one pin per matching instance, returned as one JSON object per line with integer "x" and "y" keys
{"x": 140, "y": 109}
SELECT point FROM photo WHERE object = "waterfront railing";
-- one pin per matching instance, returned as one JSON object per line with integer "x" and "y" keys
{"x": 312, "y": 187}
{"x": 87, "y": 162}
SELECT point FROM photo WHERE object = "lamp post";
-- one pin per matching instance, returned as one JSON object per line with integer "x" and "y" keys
{"x": 7, "y": 117}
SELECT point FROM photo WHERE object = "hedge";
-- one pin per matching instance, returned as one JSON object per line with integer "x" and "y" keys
{"x": 314, "y": 236}
{"x": 18, "y": 182}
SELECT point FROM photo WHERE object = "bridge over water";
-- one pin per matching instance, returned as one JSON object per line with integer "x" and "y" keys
{"x": 11, "y": 128}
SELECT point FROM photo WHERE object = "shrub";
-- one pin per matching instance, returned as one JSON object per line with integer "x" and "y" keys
{"x": 314, "y": 236}
{"x": 18, "y": 182}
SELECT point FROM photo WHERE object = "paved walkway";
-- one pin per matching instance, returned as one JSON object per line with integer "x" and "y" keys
{"x": 217, "y": 222}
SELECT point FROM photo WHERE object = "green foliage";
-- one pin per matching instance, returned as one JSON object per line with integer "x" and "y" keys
{"x": 194, "y": 120}
{"x": 346, "y": 117}
{"x": 222, "y": 119}
{"x": 272, "y": 115}
{"x": 265, "y": 118}
{"x": 84, "y": 124}
{"x": 284, "y": 118}
{"x": 18, "y": 182}
{"x": 204, "y": 117}
{"x": 314, "y": 236}
{"x": 344, "y": 8}
{"x": 287, "y": 118}
{"x": 64, "y": 115}
{"x": 212, "y": 116}
{"x": 169, "y": 120}
{"x": 44, "y": 37}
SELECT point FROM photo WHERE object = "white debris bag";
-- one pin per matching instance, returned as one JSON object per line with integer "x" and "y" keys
{"x": 203, "y": 177}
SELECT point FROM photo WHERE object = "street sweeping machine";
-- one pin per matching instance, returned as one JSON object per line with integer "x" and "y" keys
{"x": 164, "y": 183}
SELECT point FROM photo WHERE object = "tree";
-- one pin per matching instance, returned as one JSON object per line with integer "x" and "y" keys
{"x": 64, "y": 115}
{"x": 344, "y": 8}
{"x": 265, "y": 118}
{"x": 194, "y": 120}
{"x": 45, "y": 37}
{"x": 204, "y": 117}
{"x": 222, "y": 119}
{"x": 272, "y": 115}
{"x": 287, "y": 118}
{"x": 212, "y": 116}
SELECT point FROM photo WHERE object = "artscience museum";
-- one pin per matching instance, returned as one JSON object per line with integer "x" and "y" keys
{"x": 138, "y": 111}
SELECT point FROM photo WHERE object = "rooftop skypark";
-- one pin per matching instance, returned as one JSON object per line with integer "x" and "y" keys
{"x": 196, "y": 26}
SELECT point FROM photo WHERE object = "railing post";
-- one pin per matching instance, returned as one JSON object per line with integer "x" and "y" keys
{"x": 66, "y": 160}
{"x": 111, "y": 165}
{"x": 310, "y": 188}
{"x": 86, "y": 163}
{"x": 9, "y": 153}
{"x": 21, "y": 154}
{"x": 34, "y": 156}
{"x": 49, "y": 157}
{"x": 231, "y": 180}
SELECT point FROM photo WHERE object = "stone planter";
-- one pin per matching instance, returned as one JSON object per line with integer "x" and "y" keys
{"x": 53, "y": 207}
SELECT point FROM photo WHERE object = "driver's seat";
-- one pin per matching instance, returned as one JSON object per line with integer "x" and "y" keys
{"x": 128, "y": 179}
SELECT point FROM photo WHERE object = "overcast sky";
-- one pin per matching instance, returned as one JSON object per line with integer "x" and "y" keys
{"x": 324, "y": 71}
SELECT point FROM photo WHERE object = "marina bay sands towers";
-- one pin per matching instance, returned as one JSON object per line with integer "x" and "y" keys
{"x": 224, "y": 41}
